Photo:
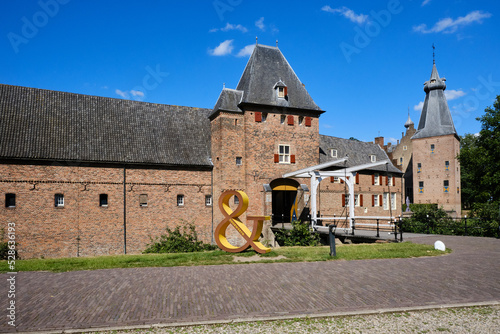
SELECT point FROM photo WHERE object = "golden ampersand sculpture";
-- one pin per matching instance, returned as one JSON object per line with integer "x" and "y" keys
{"x": 231, "y": 218}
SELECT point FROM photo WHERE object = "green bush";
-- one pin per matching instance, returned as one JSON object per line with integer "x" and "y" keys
{"x": 175, "y": 241}
{"x": 299, "y": 235}
{"x": 4, "y": 247}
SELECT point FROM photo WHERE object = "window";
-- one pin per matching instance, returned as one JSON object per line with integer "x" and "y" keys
{"x": 264, "y": 116}
{"x": 143, "y": 200}
{"x": 333, "y": 152}
{"x": 432, "y": 148}
{"x": 393, "y": 201}
{"x": 301, "y": 120}
{"x": 375, "y": 201}
{"x": 446, "y": 186}
{"x": 180, "y": 200}
{"x": 236, "y": 200}
{"x": 336, "y": 179}
{"x": 59, "y": 200}
{"x": 376, "y": 180}
{"x": 373, "y": 158}
{"x": 281, "y": 92}
{"x": 446, "y": 165}
{"x": 238, "y": 161}
{"x": 401, "y": 160}
{"x": 208, "y": 200}
{"x": 345, "y": 199}
{"x": 10, "y": 200}
{"x": 284, "y": 154}
{"x": 390, "y": 180}
{"x": 283, "y": 119}
{"x": 386, "y": 201}
{"x": 358, "y": 200}
{"x": 421, "y": 187}
{"x": 103, "y": 200}
{"x": 419, "y": 167}
{"x": 405, "y": 148}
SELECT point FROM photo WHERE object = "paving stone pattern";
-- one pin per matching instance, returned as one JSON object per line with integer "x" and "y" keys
{"x": 124, "y": 297}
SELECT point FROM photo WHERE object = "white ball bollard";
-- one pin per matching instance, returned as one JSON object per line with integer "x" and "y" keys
{"x": 439, "y": 245}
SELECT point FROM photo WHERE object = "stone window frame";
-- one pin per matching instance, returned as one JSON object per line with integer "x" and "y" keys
{"x": 143, "y": 200}
{"x": 208, "y": 200}
{"x": 373, "y": 158}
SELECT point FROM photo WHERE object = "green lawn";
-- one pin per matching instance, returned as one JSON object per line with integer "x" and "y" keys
{"x": 291, "y": 254}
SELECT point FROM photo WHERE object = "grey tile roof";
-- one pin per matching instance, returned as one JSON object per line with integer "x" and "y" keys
{"x": 50, "y": 125}
{"x": 266, "y": 67}
{"x": 228, "y": 100}
{"x": 435, "y": 119}
{"x": 358, "y": 153}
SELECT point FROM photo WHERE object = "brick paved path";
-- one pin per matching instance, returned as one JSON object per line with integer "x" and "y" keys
{"x": 121, "y": 297}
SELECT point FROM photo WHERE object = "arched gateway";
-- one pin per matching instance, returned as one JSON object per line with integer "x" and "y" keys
{"x": 284, "y": 200}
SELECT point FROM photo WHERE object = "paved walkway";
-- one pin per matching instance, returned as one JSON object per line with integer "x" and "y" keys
{"x": 124, "y": 297}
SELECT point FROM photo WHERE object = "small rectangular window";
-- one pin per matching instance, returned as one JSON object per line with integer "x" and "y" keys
{"x": 432, "y": 148}
{"x": 238, "y": 161}
{"x": 208, "y": 200}
{"x": 393, "y": 201}
{"x": 377, "y": 179}
{"x": 281, "y": 92}
{"x": 405, "y": 148}
{"x": 401, "y": 160}
{"x": 103, "y": 200}
{"x": 10, "y": 200}
{"x": 284, "y": 154}
{"x": 236, "y": 200}
{"x": 373, "y": 158}
{"x": 59, "y": 200}
{"x": 446, "y": 165}
{"x": 386, "y": 201}
{"x": 180, "y": 200}
{"x": 375, "y": 200}
{"x": 143, "y": 200}
{"x": 282, "y": 119}
{"x": 301, "y": 120}
{"x": 333, "y": 152}
{"x": 264, "y": 116}
{"x": 446, "y": 186}
{"x": 421, "y": 187}
{"x": 419, "y": 167}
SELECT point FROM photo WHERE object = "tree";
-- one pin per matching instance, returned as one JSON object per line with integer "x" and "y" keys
{"x": 480, "y": 160}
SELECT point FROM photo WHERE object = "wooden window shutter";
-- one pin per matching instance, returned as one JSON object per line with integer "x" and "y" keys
{"x": 380, "y": 179}
{"x": 285, "y": 91}
{"x": 290, "y": 119}
{"x": 343, "y": 199}
{"x": 276, "y": 158}
{"x": 373, "y": 200}
{"x": 332, "y": 179}
{"x": 357, "y": 178}
{"x": 258, "y": 116}
{"x": 361, "y": 200}
{"x": 373, "y": 179}
{"x": 387, "y": 180}
{"x": 308, "y": 121}
{"x": 393, "y": 181}
{"x": 292, "y": 158}
{"x": 341, "y": 181}
{"x": 379, "y": 200}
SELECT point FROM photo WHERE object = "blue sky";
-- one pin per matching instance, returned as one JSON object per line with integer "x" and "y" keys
{"x": 363, "y": 62}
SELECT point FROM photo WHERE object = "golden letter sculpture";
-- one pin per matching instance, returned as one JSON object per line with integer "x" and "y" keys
{"x": 231, "y": 218}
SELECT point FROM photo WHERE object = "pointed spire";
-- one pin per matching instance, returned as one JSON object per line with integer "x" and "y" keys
{"x": 433, "y": 54}
{"x": 409, "y": 122}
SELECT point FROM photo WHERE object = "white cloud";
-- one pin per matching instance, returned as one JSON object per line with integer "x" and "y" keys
{"x": 260, "y": 24}
{"x": 419, "y": 106}
{"x": 125, "y": 95}
{"x": 223, "y": 49}
{"x": 425, "y": 2}
{"x": 452, "y": 94}
{"x": 449, "y": 25}
{"x": 229, "y": 27}
{"x": 137, "y": 93}
{"x": 347, "y": 13}
{"x": 246, "y": 51}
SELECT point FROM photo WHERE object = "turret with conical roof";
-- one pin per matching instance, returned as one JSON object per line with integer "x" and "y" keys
{"x": 435, "y": 119}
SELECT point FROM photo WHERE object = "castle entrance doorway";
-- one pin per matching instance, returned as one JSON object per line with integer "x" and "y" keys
{"x": 284, "y": 200}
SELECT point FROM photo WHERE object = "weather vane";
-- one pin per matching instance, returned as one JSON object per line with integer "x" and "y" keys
{"x": 433, "y": 54}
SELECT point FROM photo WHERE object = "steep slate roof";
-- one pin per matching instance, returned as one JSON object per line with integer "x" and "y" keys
{"x": 435, "y": 119}
{"x": 358, "y": 153}
{"x": 37, "y": 124}
{"x": 228, "y": 101}
{"x": 266, "y": 67}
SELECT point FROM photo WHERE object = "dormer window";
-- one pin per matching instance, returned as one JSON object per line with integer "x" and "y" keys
{"x": 281, "y": 89}
{"x": 333, "y": 152}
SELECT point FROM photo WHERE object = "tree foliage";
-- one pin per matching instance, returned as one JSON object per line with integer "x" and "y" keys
{"x": 299, "y": 235}
{"x": 480, "y": 160}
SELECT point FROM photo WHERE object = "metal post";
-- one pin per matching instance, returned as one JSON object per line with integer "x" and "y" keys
{"x": 400, "y": 229}
{"x": 353, "y": 225}
{"x": 395, "y": 230}
{"x": 466, "y": 225}
{"x": 378, "y": 231}
{"x": 283, "y": 221}
{"x": 333, "y": 251}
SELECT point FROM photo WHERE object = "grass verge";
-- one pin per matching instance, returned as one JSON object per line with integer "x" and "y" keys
{"x": 291, "y": 254}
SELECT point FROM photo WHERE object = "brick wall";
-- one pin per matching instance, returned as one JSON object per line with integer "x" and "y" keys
{"x": 84, "y": 228}
{"x": 433, "y": 172}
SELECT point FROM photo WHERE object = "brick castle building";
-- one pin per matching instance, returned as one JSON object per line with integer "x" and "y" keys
{"x": 428, "y": 155}
{"x": 86, "y": 175}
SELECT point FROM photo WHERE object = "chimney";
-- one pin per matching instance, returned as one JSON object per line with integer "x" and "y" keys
{"x": 379, "y": 141}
